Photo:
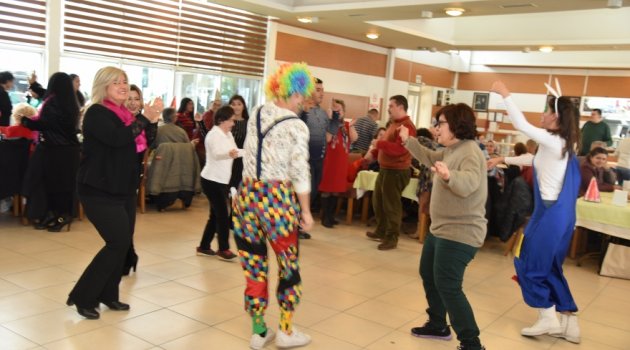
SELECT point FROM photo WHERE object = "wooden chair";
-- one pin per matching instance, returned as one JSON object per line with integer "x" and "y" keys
{"x": 143, "y": 180}
{"x": 514, "y": 239}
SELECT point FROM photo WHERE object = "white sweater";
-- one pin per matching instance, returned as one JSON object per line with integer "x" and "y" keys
{"x": 218, "y": 166}
{"x": 549, "y": 163}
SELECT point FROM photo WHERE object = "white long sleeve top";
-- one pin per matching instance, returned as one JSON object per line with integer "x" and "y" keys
{"x": 526, "y": 159}
{"x": 549, "y": 162}
{"x": 218, "y": 166}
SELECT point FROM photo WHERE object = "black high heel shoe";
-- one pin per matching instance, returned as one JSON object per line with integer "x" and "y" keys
{"x": 130, "y": 263}
{"x": 89, "y": 313}
{"x": 116, "y": 305}
{"x": 46, "y": 222}
{"x": 60, "y": 223}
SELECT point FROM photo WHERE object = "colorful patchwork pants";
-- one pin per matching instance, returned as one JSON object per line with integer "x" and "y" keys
{"x": 268, "y": 211}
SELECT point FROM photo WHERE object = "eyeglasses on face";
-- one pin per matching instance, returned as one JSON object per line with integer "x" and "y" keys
{"x": 439, "y": 123}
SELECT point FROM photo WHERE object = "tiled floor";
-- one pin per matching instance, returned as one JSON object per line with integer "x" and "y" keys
{"x": 355, "y": 297}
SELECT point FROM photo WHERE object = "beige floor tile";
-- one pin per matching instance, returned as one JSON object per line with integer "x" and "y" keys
{"x": 62, "y": 256}
{"x": 41, "y": 278}
{"x": 373, "y": 310}
{"x": 352, "y": 329}
{"x": 209, "y": 310}
{"x": 334, "y": 298}
{"x": 25, "y": 304}
{"x": 172, "y": 269}
{"x": 167, "y": 293}
{"x": 604, "y": 334}
{"x": 322, "y": 341}
{"x": 306, "y": 314}
{"x": 585, "y": 344}
{"x": 8, "y": 288}
{"x": 409, "y": 296}
{"x": 398, "y": 340}
{"x": 161, "y": 326}
{"x": 511, "y": 329}
{"x": 213, "y": 281}
{"x": 52, "y": 326}
{"x": 140, "y": 279}
{"x": 106, "y": 338}
{"x": 13, "y": 341}
{"x": 494, "y": 341}
{"x": 138, "y": 307}
{"x": 21, "y": 264}
{"x": 208, "y": 339}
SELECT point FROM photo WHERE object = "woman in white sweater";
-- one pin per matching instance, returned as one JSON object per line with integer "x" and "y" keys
{"x": 221, "y": 150}
{"x": 549, "y": 231}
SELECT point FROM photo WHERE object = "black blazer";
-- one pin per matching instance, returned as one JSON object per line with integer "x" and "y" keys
{"x": 5, "y": 107}
{"x": 109, "y": 163}
{"x": 56, "y": 127}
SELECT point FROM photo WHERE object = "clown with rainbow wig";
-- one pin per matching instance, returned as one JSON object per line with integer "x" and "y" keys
{"x": 273, "y": 200}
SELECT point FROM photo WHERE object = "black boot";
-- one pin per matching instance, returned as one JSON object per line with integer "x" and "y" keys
{"x": 327, "y": 213}
{"x": 131, "y": 262}
{"x": 332, "y": 203}
{"x": 47, "y": 221}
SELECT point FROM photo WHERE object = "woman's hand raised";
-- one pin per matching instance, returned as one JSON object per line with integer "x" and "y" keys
{"x": 153, "y": 109}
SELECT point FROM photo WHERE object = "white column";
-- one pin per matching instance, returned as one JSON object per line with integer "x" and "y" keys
{"x": 54, "y": 15}
{"x": 387, "y": 87}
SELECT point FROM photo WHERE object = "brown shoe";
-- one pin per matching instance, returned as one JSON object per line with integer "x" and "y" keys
{"x": 374, "y": 236}
{"x": 226, "y": 254}
{"x": 387, "y": 245}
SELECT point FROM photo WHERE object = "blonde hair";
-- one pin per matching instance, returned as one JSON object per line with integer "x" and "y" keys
{"x": 102, "y": 79}
{"x": 23, "y": 110}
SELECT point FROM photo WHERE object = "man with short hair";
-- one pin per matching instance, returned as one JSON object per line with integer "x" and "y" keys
{"x": 394, "y": 175}
{"x": 366, "y": 128}
{"x": 594, "y": 130}
{"x": 6, "y": 84}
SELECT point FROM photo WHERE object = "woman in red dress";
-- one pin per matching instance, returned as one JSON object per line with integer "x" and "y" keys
{"x": 186, "y": 116}
{"x": 339, "y": 136}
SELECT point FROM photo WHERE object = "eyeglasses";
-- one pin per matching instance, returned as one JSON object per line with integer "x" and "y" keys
{"x": 440, "y": 122}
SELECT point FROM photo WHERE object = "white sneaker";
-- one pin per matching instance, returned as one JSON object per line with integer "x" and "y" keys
{"x": 570, "y": 328}
{"x": 547, "y": 323}
{"x": 293, "y": 340}
{"x": 257, "y": 342}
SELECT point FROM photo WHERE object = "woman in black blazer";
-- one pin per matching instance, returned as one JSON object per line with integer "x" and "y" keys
{"x": 107, "y": 183}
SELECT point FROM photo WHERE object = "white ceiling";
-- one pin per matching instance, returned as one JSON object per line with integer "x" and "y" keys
{"x": 488, "y": 25}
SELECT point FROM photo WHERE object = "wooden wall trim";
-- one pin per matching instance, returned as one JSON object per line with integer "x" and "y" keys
{"x": 519, "y": 83}
{"x": 294, "y": 48}
{"x": 406, "y": 70}
{"x": 608, "y": 86}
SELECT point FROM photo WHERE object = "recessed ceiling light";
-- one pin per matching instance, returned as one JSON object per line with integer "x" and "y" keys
{"x": 545, "y": 49}
{"x": 426, "y": 14}
{"x": 372, "y": 36}
{"x": 454, "y": 11}
{"x": 308, "y": 19}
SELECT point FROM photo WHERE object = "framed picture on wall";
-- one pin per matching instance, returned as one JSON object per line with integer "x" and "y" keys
{"x": 439, "y": 98}
{"x": 575, "y": 100}
{"x": 480, "y": 101}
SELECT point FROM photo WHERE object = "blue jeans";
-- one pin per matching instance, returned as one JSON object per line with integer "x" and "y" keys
{"x": 623, "y": 174}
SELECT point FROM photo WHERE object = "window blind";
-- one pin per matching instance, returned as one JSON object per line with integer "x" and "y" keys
{"x": 23, "y": 22}
{"x": 187, "y": 33}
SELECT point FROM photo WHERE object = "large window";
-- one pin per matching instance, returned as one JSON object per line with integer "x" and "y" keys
{"x": 201, "y": 88}
{"x": 154, "y": 82}
{"x": 250, "y": 89}
{"x": 21, "y": 64}
{"x": 85, "y": 68}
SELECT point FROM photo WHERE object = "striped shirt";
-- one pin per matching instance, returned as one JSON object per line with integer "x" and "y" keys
{"x": 366, "y": 128}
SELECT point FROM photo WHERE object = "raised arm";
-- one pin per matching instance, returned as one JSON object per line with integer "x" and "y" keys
{"x": 519, "y": 121}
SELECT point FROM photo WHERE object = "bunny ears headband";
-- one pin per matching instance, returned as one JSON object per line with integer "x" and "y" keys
{"x": 557, "y": 92}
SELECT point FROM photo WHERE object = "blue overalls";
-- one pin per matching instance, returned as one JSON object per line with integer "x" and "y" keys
{"x": 545, "y": 245}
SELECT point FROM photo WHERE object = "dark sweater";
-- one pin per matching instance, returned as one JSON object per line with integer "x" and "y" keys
{"x": 5, "y": 107}
{"x": 594, "y": 132}
{"x": 109, "y": 164}
{"x": 56, "y": 127}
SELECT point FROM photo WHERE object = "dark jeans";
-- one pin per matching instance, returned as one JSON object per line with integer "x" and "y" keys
{"x": 386, "y": 202}
{"x": 442, "y": 266}
{"x": 623, "y": 174}
{"x": 317, "y": 166}
{"x": 114, "y": 220}
{"x": 218, "y": 220}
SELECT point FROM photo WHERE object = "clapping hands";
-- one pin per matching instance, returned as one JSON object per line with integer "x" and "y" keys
{"x": 153, "y": 109}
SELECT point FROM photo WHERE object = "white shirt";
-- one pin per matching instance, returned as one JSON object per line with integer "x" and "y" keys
{"x": 549, "y": 162}
{"x": 285, "y": 148}
{"x": 218, "y": 166}
{"x": 623, "y": 153}
{"x": 526, "y": 159}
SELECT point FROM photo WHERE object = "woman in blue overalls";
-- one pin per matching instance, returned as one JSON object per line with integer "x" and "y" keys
{"x": 548, "y": 234}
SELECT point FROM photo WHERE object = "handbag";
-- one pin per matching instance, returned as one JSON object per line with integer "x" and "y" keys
{"x": 617, "y": 259}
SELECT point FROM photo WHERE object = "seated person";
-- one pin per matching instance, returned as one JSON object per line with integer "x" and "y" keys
{"x": 16, "y": 130}
{"x": 169, "y": 132}
{"x": 595, "y": 165}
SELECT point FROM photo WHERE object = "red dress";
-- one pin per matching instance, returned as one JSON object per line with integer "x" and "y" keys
{"x": 335, "y": 172}
{"x": 186, "y": 122}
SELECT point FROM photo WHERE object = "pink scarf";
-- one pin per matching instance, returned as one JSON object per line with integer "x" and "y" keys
{"x": 127, "y": 118}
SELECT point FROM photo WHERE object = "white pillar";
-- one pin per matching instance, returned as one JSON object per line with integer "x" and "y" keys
{"x": 54, "y": 14}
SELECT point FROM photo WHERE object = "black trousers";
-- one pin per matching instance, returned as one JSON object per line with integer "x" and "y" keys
{"x": 219, "y": 219}
{"x": 114, "y": 220}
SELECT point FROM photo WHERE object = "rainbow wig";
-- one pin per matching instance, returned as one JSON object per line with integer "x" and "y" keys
{"x": 288, "y": 79}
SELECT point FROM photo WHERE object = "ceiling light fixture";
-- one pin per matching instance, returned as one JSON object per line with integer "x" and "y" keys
{"x": 454, "y": 11}
{"x": 526, "y": 49}
{"x": 372, "y": 36}
{"x": 545, "y": 49}
{"x": 426, "y": 14}
{"x": 308, "y": 19}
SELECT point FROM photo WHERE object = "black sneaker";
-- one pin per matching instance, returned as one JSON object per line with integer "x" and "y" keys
{"x": 468, "y": 347}
{"x": 304, "y": 235}
{"x": 428, "y": 331}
